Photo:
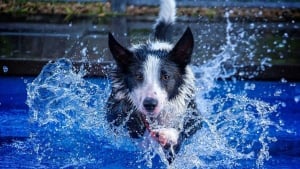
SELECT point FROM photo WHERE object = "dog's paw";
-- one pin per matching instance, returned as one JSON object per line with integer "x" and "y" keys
{"x": 166, "y": 137}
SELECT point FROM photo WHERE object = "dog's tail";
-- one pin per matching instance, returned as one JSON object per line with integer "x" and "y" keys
{"x": 164, "y": 23}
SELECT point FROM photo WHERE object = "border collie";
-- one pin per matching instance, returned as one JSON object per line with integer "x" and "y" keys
{"x": 153, "y": 86}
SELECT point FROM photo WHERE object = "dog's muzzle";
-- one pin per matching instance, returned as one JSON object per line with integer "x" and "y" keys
{"x": 150, "y": 104}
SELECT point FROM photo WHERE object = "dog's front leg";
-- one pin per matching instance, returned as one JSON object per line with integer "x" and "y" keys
{"x": 165, "y": 136}
{"x": 170, "y": 139}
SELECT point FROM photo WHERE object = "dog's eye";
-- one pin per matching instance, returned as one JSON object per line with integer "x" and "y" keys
{"x": 139, "y": 76}
{"x": 164, "y": 76}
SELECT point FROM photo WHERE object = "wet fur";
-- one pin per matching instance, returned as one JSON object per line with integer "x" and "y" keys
{"x": 174, "y": 84}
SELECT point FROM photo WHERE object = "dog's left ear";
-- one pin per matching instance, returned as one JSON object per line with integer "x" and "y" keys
{"x": 182, "y": 52}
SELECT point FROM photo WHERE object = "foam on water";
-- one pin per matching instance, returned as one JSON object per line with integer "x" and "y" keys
{"x": 69, "y": 128}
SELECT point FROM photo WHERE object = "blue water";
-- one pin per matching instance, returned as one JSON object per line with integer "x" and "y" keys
{"x": 56, "y": 120}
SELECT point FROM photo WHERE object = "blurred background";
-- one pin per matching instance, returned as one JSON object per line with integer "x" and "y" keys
{"x": 32, "y": 32}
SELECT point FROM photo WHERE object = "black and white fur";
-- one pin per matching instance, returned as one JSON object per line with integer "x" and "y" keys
{"x": 153, "y": 86}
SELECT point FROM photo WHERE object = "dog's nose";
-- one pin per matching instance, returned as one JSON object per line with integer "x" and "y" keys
{"x": 150, "y": 103}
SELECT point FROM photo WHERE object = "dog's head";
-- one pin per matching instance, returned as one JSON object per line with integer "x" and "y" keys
{"x": 153, "y": 72}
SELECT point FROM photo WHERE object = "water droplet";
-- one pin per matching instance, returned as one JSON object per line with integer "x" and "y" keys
{"x": 297, "y": 99}
{"x": 84, "y": 51}
{"x": 5, "y": 69}
{"x": 242, "y": 73}
{"x": 283, "y": 80}
{"x": 278, "y": 92}
{"x": 280, "y": 45}
{"x": 264, "y": 26}
{"x": 250, "y": 86}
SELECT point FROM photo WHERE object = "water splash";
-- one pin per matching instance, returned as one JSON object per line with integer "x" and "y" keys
{"x": 5, "y": 69}
{"x": 236, "y": 128}
{"x": 69, "y": 128}
{"x": 67, "y": 117}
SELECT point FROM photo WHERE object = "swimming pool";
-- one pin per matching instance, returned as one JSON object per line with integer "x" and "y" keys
{"x": 55, "y": 120}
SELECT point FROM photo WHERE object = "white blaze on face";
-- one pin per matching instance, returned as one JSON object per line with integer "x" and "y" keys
{"x": 150, "y": 87}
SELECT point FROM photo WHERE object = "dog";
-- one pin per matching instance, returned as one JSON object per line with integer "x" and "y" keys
{"x": 153, "y": 86}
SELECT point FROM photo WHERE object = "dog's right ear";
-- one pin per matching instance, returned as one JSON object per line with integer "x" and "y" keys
{"x": 122, "y": 56}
